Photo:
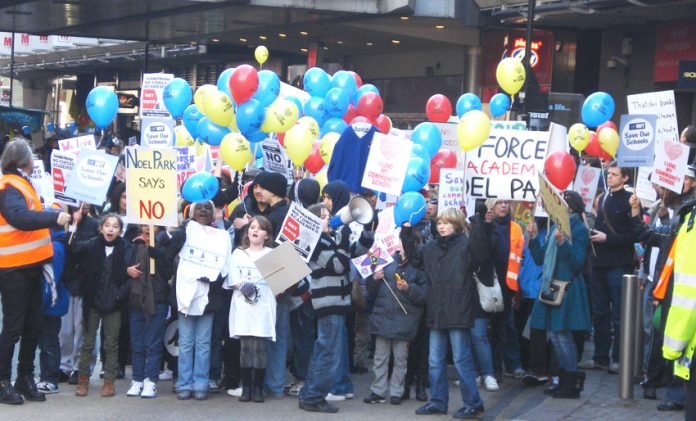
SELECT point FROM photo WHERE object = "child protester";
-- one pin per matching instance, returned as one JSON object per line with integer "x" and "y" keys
{"x": 253, "y": 309}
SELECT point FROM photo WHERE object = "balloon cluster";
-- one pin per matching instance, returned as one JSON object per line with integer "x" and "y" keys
{"x": 603, "y": 142}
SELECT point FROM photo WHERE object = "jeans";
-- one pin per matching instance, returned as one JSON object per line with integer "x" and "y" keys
{"x": 278, "y": 350}
{"x": 303, "y": 332}
{"x": 147, "y": 334}
{"x": 505, "y": 343}
{"x": 483, "y": 356}
{"x": 218, "y": 333}
{"x": 343, "y": 384}
{"x": 323, "y": 366}
{"x": 194, "y": 338}
{"x": 565, "y": 349}
{"x": 110, "y": 327}
{"x": 460, "y": 340}
{"x": 606, "y": 309}
{"x": 49, "y": 357}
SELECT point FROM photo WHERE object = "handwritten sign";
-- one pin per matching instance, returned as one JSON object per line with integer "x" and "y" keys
{"x": 386, "y": 164}
{"x": 555, "y": 206}
{"x": 74, "y": 144}
{"x": 662, "y": 105}
{"x": 451, "y": 191}
{"x": 301, "y": 228}
{"x": 375, "y": 259}
{"x": 91, "y": 177}
{"x": 586, "y": 181}
{"x": 670, "y": 165}
{"x": 62, "y": 165}
{"x": 151, "y": 185}
{"x": 637, "y": 140}
{"x": 644, "y": 188}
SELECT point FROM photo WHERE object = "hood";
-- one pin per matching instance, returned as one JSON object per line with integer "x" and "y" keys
{"x": 306, "y": 192}
{"x": 339, "y": 193}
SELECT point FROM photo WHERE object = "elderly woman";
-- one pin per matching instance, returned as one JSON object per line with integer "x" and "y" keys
{"x": 25, "y": 246}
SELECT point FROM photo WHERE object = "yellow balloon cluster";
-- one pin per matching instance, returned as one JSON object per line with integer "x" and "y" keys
{"x": 235, "y": 151}
{"x": 473, "y": 129}
{"x": 280, "y": 116}
{"x": 578, "y": 136}
{"x": 510, "y": 75}
{"x": 609, "y": 140}
{"x": 298, "y": 143}
{"x": 261, "y": 54}
{"x": 326, "y": 146}
{"x": 182, "y": 137}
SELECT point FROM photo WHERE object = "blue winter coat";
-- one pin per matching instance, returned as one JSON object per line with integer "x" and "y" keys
{"x": 60, "y": 307}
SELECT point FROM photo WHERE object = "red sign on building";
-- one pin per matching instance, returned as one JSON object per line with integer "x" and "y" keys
{"x": 674, "y": 42}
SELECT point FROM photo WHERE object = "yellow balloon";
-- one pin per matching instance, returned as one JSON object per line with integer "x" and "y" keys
{"x": 473, "y": 129}
{"x": 578, "y": 136}
{"x": 326, "y": 146}
{"x": 298, "y": 143}
{"x": 261, "y": 54}
{"x": 183, "y": 137}
{"x": 280, "y": 116}
{"x": 311, "y": 123}
{"x": 235, "y": 151}
{"x": 200, "y": 94}
{"x": 217, "y": 107}
{"x": 609, "y": 141}
{"x": 322, "y": 178}
{"x": 233, "y": 124}
{"x": 510, "y": 75}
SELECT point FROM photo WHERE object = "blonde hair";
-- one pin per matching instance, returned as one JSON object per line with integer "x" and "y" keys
{"x": 455, "y": 217}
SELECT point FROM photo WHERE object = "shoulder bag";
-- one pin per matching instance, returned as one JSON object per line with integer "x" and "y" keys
{"x": 491, "y": 298}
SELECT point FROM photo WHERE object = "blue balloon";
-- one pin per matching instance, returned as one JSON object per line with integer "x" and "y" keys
{"x": 250, "y": 116}
{"x": 297, "y": 102}
{"x": 417, "y": 174}
{"x": 337, "y": 102}
{"x": 102, "y": 106}
{"x": 26, "y": 130}
{"x": 345, "y": 81}
{"x": 256, "y": 136}
{"x": 410, "y": 207}
{"x": 177, "y": 96}
{"x": 211, "y": 133}
{"x": 335, "y": 125}
{"x": 200, "y": 187}
{"x": 500, "y": 104}
{"x": 427, "y": 135}
{"x": 420, "y": 152}
{"x": 467, "y": 102}
{"x": 316, "y": 82}
{"x": 258, "y": 152}
{"x": 315, "y": 107}
{"x": 223, "y": 82}
{"x": 191, "y": 118}
{"x": 50, "y": 127}
{"x": 269, "y": 88}
{"x": 368, "y": 87}
{"x": 597, "y": 109}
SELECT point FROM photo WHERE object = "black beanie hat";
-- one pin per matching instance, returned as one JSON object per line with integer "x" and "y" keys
{"x": 273, "y": 182}
{"x": 574, "y": 201}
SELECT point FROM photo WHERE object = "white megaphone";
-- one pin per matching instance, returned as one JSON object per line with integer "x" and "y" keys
{"x": 358, "y": 209}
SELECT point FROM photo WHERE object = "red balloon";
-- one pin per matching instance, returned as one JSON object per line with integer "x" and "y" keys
{"x": 361, "y": 119}
{"x": 358, "y": 79}
{"x": 243, "y": 83}
{"x": 281, "y": 138}
{"x": 314, "y": 162}
{"x": 594, "y": 149}
{"x": 443, "y": 159}
{"x": 606, "y": 124}
{"x": 370, "y": 105}
{"x": 438, "y": 109}
{"x": 350, "y": 114}
{"x": 383, "y": 123}
{"x": 560, "y": 169}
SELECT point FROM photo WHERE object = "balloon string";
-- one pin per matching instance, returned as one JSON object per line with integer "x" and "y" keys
{"x": 240, "y": 188}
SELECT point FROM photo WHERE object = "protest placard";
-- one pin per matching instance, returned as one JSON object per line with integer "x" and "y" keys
{"x": 375, "y": 259}
{"x": 275, "y": 159}
{"x": 302, "y": 229}
{"x": 644, "y": 188}
{"x": 157, "y": 132}
{"x": 636, "y": 140}
{"x": 555, "y": 206}
{"x": 282, "y": 267}
{"x": 151, "y": 95}
{"x": 151, "y": 186}
{"x": 74, "y": 144}
{"x": 507, "y": 165}
{"x": 390, "y": 241}
{"x": 662, "y": 105}
{"x": 62, "y": 165}
{"x": 91, "y": 176}
{"x": 385, "y": 168}
{"x": 670, "y": 165}
{"x": 586, "y": 181}
{"x": 185, "y": 164}
{"x": 451, "y": 190}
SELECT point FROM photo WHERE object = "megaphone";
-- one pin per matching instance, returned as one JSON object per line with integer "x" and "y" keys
{"x": 358, "y": 209}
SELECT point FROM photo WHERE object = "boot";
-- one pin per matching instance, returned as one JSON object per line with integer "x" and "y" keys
{"x": 569, "y": 385}
{"x": 107, "y": 388}
{"x": 421, "y": 394}
{"x": 25, "y": 385}
{"x": 259, "y": 376}
{"x": 8, "y": 394}
{"x": 82, "y": 385}
{"x": 246, "y": 385}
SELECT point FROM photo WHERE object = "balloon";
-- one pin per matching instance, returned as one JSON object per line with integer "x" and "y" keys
{"x": 609, "y": 141}
{"x": 26, "y": 130}
{"x": 370, "y": 105}
{"x": 499, "y": 105}
{"x": 211, "y": 133}
{"x": 281, "y": 138}
{"x": 358, "y": 79}
{"x": 443, "y": 159}
{"x": 243, "y": 83}
{"x": 102, "y": 105}
{"x": 429, "y": 136}
{"x": 316, "y": 82}
{"x": 235, "y": 151}
{"x": 383, "y": 123}
{"x": 298, "y": 143}
{"x": 50, "y": 127}
{"x": 605, "y": 125}
{"x": 311, "y": 123}
{"x": 200, "y": 187}
{"x": 314, "y": 161}
{"x": 333, "y": 125}
{"x": 467, "y": 102}
{"x": 223, "y": 82}
{"x": 322, "y": 178}
{"x": 191, "y": 117}
{"x": 345, "y": 81}
{"x": 438, "y": 108}
{"x": 361, "y": 119}
{"x": 261, "y": 54}
{"x": 578, "y": 136}
{"x": 510, "y": 75}
{"x": 296, "y": 101}
{"x": 200, "y": 94}
{"x": 269, "y": 88}
{"x": 177, "y": 96}
{"x": 218, "y": 108}
{"x": 326, "y": 146}
{"x": 560, "y": 169}
{"x": 473, "y": 129}
{"x": 410, "y": 207}
{"x": 280, "y": 116}
{"x": 182, "y": 137}
{"x": 420, "y": 152}
{"x": 350, "y": 114}
{"x": 250, "y": 116}
{"x": 256, "y": 136}
{"x": 417, "y": 174}
{"x": 315, "y": 107}
{"x": 597, "y": 109}
{"x": 368, "y": 87}
{"x": 337, "y": 101}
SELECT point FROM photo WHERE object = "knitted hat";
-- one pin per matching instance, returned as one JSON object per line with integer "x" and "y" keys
{"x": 273, "y": 182}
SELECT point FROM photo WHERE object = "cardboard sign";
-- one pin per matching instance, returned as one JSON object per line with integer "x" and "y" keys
{"x": 507, "y": 165}
{"x": 91, "y": 177}
{"x": 586, "y": 181}
{"x": 637, "y": 140}
{"x": 451, "y": 191}
{"x": 555, "y": 206}
{"x": 282, "y": 267}
{"x": 644, "y": 188}
{"x": 157, "y": 132}
{"x": 375, "y": 259}
{"x": 385, "y": 169}
{"x": 662, "y": 105}
{"x": 151, "y": 95}
{"x": 151, "y": 186}
{"x": 62, "y": 165}
{"x": 302, "y": 229}
{"x": 74, "y": 144}
{"x": 275, "y": 159}
{"x": 670, "y": 165}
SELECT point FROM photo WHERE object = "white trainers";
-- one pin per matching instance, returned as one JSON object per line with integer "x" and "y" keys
{"x": 491, "y": 383}
{"x": 335, "y": 398}
{"x": 135, "y": 389}
{"x": 166, "y": 375}
{"x": 149, "y": 389}
{"x": 235, "y": 392}
{"x": 47, "y": 388}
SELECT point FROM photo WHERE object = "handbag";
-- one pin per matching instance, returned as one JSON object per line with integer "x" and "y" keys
{"x": 490, "y": 298}
{"x": 557, "y": 292}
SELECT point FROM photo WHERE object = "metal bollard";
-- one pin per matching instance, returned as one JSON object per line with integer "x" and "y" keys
{"x": 638, "y": 345}
{"x": 628, "y": 336}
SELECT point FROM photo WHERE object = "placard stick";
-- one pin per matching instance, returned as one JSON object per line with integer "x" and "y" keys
{"x": 74, "y": 224}
{"x": 152, "y": 244}
{"x": 395, "y": 297}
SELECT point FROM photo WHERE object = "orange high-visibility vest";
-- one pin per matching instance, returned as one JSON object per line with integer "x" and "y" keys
{"x": 661, "y": 287}
{"x": 21, "y": 248}
{"x": 515, "y": 259}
